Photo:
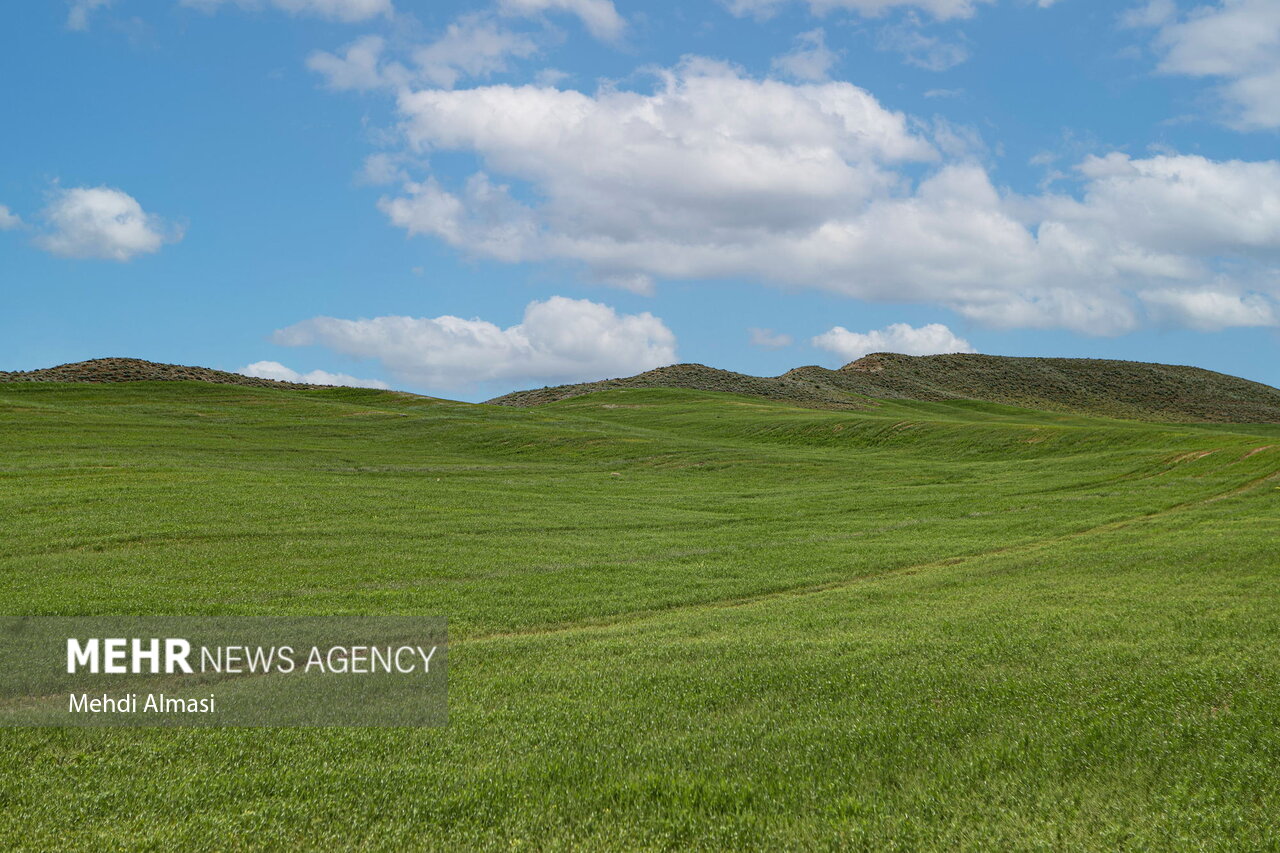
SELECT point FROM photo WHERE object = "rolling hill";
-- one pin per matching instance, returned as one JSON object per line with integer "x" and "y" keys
{"x": 139, "y": 370}
{"x": 1123, "y": 389}
{"x": 1120, "y": 389}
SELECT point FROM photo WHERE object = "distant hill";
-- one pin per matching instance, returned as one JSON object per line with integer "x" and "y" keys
{"x": 138, "y": 370}
{"x": 1125, "y": 389}
{"x": 800, "y": 389}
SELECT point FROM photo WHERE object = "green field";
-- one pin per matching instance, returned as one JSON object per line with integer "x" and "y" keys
{"x": 677, "y": 619}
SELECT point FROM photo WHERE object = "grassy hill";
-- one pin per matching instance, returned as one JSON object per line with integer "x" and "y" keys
{"x": 138, "y": 370}
{"x": 679, "y": 619}
{"x": 1125, "y": 389}
{"x": 1120, "y": 389}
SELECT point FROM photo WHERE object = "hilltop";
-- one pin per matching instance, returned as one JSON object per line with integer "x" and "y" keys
{"x": 139, "y": 370}
{"x": 1124, "y": 389}
{"x": 799, "y": 389}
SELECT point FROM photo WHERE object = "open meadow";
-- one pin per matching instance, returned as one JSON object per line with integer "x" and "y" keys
{"x": 677, "y": 619}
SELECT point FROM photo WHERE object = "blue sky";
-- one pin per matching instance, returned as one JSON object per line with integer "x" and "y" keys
{"x": 467, "y": 198}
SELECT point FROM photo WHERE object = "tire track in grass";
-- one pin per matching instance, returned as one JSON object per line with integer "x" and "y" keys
{"x": 805, "y": 590}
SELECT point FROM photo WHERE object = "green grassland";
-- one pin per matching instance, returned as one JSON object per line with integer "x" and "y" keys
{"x": 678, "y": 619}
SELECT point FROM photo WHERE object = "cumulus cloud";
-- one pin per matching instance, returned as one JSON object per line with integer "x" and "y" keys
{"x": 1173, "y": 206}
{"x": 101, "y": 222}
{"x": 717, "y": 175}
{"x": 810, "y": 60}
{"x": 1209, "y": 310}
{"x": 9, "y": 219}
{"x": 769, "y": 339}
{"x": 1235, "y": 41}
{"x": 558, "y": 340}
{"x": 600, "y": 17}
{"x": 930, "y": 339}
{"x": 276, "y": 370}
{"x": 349, "y": 11}
{"x": 710, "y": 154}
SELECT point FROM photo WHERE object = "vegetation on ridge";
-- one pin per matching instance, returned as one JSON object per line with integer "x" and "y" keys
{"x": 1123, "y": 389}
{"x": 139, "y": 370}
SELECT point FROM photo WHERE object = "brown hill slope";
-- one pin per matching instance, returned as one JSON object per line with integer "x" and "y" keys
{"x": 138, "y": 370}
{"x": 1126, "y": 389}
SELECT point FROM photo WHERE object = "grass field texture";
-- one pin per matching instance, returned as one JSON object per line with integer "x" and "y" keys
{"x": 677, "y": 619}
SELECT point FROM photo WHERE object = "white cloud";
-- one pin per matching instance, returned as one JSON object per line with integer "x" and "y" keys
{"x": 472, "y": 46}
{"x": 9, "y": 219}
{"x": 1209, "y": 310}
{"x": 383, "y": 168}
{"x": 939, "y": 9}
{"x": 960, "y": 142}
{"x": 559, "y": 340}
{"x": 276, "y": 370}
{"x": 600, "y": 17}
{"x": 1161, "y": 212}
{"x": 551, "y": 77}
{"x": 810, "y": 60}
{"x": 716, "y": 175}
{"x": 78, "y": 14}
{"x": 1235, "y": 41}
{"x": 357, "y": 68}
{"x": 349, "y": 11}
{"x": 101, "y": 222}
{"x": 1154, "y": 13}
{"x": 931, "y": 339}
{"x": 708, "y": 149}
{"x": 769, "y": 339}
{"x": 923, "y": 51}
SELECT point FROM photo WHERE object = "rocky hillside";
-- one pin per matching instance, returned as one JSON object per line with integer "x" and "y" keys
{"x": 1127, "y": 389}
